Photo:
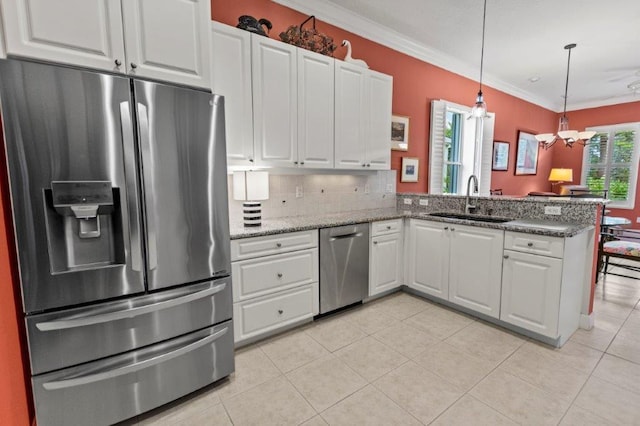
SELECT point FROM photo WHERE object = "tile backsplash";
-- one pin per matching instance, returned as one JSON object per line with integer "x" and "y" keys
{"x": 322, "y": 194}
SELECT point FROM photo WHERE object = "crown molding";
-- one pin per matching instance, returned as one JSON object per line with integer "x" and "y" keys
{"x": 631, "y": 97}
{"x": 352, "y": 22}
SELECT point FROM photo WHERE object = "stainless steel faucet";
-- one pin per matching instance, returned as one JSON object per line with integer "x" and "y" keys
{"x": 470, "y": 208}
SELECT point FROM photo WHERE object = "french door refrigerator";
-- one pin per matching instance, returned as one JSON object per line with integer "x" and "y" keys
{"x": 119, "y": 200}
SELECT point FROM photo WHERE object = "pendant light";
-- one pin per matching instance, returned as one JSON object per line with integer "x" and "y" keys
{"x": 479, "y": 110}
{"x": 568, "y": 136}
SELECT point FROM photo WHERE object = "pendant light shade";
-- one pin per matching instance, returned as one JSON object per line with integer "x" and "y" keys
{"x": 479, "y": 110}
{"x": 568, "y": 136}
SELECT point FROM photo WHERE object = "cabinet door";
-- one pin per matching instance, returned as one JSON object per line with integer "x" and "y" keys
{"x": 87, "y": 33}
{"x": 475, "y": 268}
{"x": 531, "y": 291}
{"x": 315, "y": 109}
{"x": 429, "y": 258}
{"x": 231, "y": 78}
{"x": 168, "y": 40}
{"x": 378, "y": 150}
{"x": 385, "y": 263}
{"x": 275, "y": 102}
{"x": 350, "y": 116}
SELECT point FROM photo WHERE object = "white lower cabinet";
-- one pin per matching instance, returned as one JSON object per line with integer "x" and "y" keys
{"x": 543, "y": 279}
{"x": 530, "y": 291}
{"x": 385, "y": 256}
{"x": 275, "y": 283}
{"x": 458, "y": 263}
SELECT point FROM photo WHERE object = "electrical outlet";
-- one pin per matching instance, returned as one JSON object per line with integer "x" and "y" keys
{"x": 553, "y": 210}
{"x": 424, "y": 202}
{"x": 389, "y": 187}
{"x": 407, "y": 201}
{"x": 637, "y": 219}
{"x": 299, "y": 192}
{"x": 367, "y": 189}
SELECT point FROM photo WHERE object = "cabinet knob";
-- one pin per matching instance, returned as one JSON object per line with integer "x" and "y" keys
{"x": 118, "y": 62}
{"x": 453, "y": 229}
{"x": 446, "y": 227}
{"x": 375, "y": 243}
{"x": 302, "y": 163}
{"x": 530, "y": 244}
{"x": 278, "y": 245}
{"x": 279, "y": 274}
{"x": 280, "y": 311}
{"x": 251, "y": 160}
{"x": 133, "y": 66}
{"x": 368, "y": 165}
{"x": 388, "y": 227}
{"x": 364, "y": 165}
{"x": 506, "y": 256}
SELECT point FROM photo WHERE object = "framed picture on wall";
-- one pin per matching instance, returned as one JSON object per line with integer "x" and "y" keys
{"x": 399, "y": 133}
{"x": 409, "y": 169}
{"x": 500, "y": 156}
{"x": 526, "y": 154}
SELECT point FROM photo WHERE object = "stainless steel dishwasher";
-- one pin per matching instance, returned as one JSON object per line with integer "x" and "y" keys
{"x": 344, "y": 266}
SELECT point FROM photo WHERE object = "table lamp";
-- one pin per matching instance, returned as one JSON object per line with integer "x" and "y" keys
{"x": 558, "y": 176}
{"x": 251, "y": 187}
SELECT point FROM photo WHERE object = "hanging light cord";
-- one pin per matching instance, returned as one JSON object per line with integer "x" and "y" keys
{"x": 484, "y": 19}
{"x": 566, "y": 85}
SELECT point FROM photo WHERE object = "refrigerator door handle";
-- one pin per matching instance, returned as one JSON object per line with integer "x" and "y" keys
{"x": 82, "y": 321}
{"x": 153, "y": 360}
{"x": 145, "y": 148}
{"x": 132, "y": 186}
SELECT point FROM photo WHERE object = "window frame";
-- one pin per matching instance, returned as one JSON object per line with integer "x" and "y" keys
{"x": 611, "y": 130}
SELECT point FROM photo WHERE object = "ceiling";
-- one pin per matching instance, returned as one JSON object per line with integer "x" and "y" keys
{"x": 524, "y": 39}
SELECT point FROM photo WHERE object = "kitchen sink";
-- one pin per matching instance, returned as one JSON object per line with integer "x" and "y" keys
{"x": 474, "y": 217}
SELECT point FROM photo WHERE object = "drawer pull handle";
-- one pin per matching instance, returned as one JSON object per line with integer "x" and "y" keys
{"x": 530, "y": 244}
{"x": 280, "y": 311}
{"x": 506, "y": 256}
{"x": 279, "y": 274}
{"x": 278, "y": 245}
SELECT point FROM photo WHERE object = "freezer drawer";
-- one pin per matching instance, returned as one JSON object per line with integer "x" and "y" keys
{"x": 63, "y": 339}
{"x": 117, "y": 388}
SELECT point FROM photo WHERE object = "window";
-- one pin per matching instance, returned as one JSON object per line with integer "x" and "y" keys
{"x": 610, "y": 162}
{"x": 459, "y": 148}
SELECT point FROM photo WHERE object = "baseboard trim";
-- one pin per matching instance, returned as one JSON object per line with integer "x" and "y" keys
{"x": 587, "y": 321}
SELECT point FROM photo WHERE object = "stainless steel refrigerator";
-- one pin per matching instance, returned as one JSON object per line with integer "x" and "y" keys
{"x": 119, "y": 201}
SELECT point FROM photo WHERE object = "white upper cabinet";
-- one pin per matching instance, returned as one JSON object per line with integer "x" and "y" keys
{"x": 275, "y": 102}
{"x": 378, "y": 148}
{"x": 165, "y": 40}
{"x": 315, "y": 109}
{"x": 350, "y": 114}
{"x": 363, "y": 118}
{"x": 231, "y": 78}
{"x": 80, "y": 32}
{"x": 168, "y": 40}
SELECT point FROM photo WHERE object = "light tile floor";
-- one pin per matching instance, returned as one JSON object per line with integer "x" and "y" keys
{"x": 403, "y": 360}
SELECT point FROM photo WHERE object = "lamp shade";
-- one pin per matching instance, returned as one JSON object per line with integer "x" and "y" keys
{"x": 251, "y": 185}
{"x": 561, "y": 175}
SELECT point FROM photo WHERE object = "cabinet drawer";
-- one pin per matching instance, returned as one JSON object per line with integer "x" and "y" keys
{"x": 386, "y": 227}
{"x": 267, "y": 314}
{"x": 248, "y": 248}
{"x": 264, "y": 275}
{"x": 536, "y": 244}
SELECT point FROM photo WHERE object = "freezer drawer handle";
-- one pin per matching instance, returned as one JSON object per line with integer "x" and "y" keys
{"x": 110, "y": 374}
{"x": 342, "y": 237}
{"x": 63, "y": 323}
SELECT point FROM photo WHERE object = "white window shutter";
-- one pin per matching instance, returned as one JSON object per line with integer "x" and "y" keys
{"x": 436, "y": 142}
{"x": 486, "y": 159}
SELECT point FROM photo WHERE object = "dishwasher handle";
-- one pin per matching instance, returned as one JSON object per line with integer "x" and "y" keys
{"x": 345, "y": 236}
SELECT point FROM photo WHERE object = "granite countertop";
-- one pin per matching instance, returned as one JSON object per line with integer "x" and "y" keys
{"x": 302, "y": 223}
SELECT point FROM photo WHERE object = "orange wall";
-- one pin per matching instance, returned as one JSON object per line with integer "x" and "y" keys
{"x": 572, "y": 157}
{"x": 415, "y": 84}
{"x": 15, "y": 399}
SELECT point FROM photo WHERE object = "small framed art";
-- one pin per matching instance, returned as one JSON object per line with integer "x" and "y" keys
{"x": 409, "y": 169}
{"x": 399, "y": 133}
{"x": 500, "y": 156}
{"x": 527, "y": 154}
